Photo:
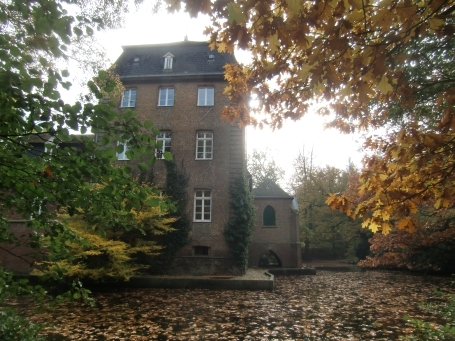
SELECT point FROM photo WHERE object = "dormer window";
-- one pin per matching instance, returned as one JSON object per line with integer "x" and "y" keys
{"x": 168, "y": 58}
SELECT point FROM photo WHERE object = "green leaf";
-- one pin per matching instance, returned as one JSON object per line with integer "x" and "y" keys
{"x": 167, "y": 156}
{"x": 154, "y": 202}
{"x": 235, "y": 13}
{"x": 148, "y": 124}
{"x": 142, "y": 166}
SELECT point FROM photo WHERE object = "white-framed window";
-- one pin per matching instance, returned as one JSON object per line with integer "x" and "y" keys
{"x": 166, "y": 98}
{"x": 168, "y": 59}
{"x": 122, "y": 155}
{"x": 203, "y": 205}
{"x": 165, "y": 140}
{"x": 204, "y": 145}
{"x": 205, "y": 96}
{"x": 129, "y": 98}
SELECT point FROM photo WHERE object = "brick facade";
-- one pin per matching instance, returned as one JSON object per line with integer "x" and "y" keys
{"x": 281, "y": 239}
{"x": 184, "y": 119}
{"x": 19, "y": 258}
{"x": 195, "y": 66}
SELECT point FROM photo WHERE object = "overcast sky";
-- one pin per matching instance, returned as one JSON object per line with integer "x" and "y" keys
{"x": 329, "y": 146}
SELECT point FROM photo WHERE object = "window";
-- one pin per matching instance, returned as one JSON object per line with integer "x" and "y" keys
{"x": 268, "y": 216}
{"x": 205, "y": 96}
{"x": 201, "y": 250}
{"x": 129, "y": 98}
{"x": 36, "y": 149}
{"x": 168, "y": 58}
{"x": 202, "y": 205}
{"x": 166, "y": 97}
{"x": 204, "y": 145}
{"x": 122, "y": 155}
{"x": 164, "y": 139}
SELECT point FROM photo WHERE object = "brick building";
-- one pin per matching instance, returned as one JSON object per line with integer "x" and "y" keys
{"x": 276, "y": 241}
{"x": 179, "y": 86}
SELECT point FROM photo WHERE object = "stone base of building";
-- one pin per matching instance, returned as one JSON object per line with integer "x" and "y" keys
{"x": 203, "y": 266}
{"x": 288, "y": 255}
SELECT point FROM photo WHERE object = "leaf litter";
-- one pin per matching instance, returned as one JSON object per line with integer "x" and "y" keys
{"x": 328, "y": 306}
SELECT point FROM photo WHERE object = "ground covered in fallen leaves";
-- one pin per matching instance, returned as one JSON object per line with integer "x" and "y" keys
{"x": 328, "y": 306}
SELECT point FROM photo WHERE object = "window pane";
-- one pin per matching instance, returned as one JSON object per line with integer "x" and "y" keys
{"x": 170, "y": 97}
{"x": 209, "y": 96}
{"x": 269, "y": 216}
{"x": 201, "y": 96}
{"x": 132, "y": 98}
{"x": 162, "y": 97}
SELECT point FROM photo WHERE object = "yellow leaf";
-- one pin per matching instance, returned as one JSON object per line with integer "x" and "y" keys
{"x": 386, "y": 228}
{"x": 294, "y": 7}
{"x": 403, "y": 223}
{"x": 274, "y": 43}
{"x": 222, "y": 47}
{"x": 346, "y": 91}
{"x": 437, "y": 204}
{"x": 355, "y": 16}
{"x": 385, "y": 215}
{"x": 435, "y": 23}
{"x": 304, "y": 72}
{"x": 384, "y": 85}
{"x": 374, "y": 226}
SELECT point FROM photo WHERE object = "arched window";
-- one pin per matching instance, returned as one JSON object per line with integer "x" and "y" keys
{"x": 268, "y": 216}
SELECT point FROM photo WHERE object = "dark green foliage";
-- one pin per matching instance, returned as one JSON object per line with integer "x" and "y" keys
{"x": 444, "y": 309}
{"x": 431, "y": 71}
{"x": 238, "y": 233}
{"x": 177, "y": 185}
{"x": 35, "y": 39}
{"x": 15, "y": 328}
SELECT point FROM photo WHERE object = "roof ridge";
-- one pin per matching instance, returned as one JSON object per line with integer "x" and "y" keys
{"x": 188, "y": 42}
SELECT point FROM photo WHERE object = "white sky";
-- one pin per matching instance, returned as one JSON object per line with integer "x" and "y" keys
{"x": 329, "y": 146}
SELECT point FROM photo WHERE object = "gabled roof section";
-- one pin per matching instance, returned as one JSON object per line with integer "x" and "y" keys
{"x": 190, "y": 58}
{"x": 269, "y": 189}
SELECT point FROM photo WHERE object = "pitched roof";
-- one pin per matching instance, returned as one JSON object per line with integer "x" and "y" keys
{"x": 269, "y": 189}
{"x": 191, "y": 58}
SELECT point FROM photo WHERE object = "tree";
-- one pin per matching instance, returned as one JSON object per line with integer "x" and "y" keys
{"x": 371, "y": 62}
{"x": 261, "y": 165}
{"x": 239, "y": 230}
{"x": 34, "y": 37}
{"x": 115, "y": 253}
{"x": 320, "y": 226}
{"x": 345, "y": 52}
